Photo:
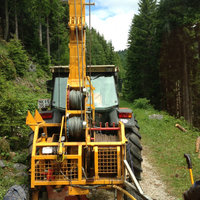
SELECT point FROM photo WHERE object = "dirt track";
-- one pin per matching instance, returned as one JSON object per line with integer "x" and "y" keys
{"x": 151, "y": 184}
{"x": 151, "y": 181}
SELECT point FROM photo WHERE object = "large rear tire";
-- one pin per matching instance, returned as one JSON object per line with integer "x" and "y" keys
{"x": 134, "y": 157}
{"x": 133, "y": 152}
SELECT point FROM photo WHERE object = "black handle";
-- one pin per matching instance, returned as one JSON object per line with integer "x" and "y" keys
{"x": 189, "y": 162}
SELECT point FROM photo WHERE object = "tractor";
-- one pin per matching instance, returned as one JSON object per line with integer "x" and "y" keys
{"x": 83, "y": 165}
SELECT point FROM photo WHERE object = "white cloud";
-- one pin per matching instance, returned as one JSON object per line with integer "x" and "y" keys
{"x": 117, "y": 5}
{"x": 112, "y": 18}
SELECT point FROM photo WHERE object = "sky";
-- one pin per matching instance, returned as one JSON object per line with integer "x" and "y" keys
{"x": 112, "y": 18}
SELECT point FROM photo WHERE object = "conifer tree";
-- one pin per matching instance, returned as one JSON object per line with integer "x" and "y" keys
{"x": 142, "y": 67}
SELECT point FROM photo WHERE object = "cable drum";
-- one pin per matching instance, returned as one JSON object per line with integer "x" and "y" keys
{"x": 76, "y": 99}
{"x": 75, "y": 128}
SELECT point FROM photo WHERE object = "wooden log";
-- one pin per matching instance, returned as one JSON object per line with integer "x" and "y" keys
{"x": 180, "y": 127}
{"x": 197, "y": 144}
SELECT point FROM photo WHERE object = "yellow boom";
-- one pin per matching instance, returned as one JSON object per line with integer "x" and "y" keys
{"x": 77, "y": 65}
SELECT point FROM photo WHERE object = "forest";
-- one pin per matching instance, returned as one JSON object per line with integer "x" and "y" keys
{"x": 42, "y": 27}
{"x": 163, "y": 57}
{"x": 160, "y": 64}
{"x": 34, "y": 35}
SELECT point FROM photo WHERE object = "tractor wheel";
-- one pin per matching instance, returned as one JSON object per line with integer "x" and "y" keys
{"x": 134, "y": 158}
{"x": 133, "y": 152}
{"x": 15, "y": 192}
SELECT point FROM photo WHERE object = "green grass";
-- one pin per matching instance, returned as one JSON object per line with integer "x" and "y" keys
{"x": 167, "y": 145}
{"x": 32, "y": 89}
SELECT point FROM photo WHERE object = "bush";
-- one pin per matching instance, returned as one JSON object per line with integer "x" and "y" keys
{"x": 19, "y": 57}
{"x": 142, "y": 103}
{"x": 20, "y": 157}
{"x": 7, "y": 67}
{"x": 4, "y": 148}
{"x": 12, "y": 113}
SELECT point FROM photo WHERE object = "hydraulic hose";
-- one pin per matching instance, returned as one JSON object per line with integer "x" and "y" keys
{"x": 124, "y": 191}
{"x": 113, "y": 186}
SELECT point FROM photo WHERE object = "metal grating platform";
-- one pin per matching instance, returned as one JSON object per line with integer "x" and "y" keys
{"x": 107, "y": 160}
{"x": 50, "y": 170}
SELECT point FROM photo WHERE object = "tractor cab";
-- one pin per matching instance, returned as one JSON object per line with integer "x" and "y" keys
{"x": 103, "y": 79}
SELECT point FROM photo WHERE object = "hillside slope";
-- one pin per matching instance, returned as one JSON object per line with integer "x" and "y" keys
{"x": 22, "y": 83}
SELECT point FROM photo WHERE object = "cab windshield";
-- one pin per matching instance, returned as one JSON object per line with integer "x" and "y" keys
{"x": 105, "y": 95}
{"x": 59, "y": 92}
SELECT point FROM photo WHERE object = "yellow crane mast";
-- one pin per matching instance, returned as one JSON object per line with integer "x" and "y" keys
{"x": 77, "y": 65}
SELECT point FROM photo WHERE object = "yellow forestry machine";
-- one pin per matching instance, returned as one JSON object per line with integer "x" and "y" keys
{"x": 85, "y": 141}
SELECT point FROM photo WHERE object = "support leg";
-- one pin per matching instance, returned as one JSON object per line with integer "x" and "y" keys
{"x": 35, "y": 195}
{"x": 115, "y": 194}
{"x": 119, "y": 195}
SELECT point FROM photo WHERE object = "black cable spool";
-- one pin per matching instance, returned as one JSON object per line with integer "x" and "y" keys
{"x": 75, "y": 128}
{"x": 76, "y": 99}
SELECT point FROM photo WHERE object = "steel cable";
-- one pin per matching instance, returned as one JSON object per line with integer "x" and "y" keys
{"x": 90, "y": 56}
{"x": 78, "y": 51}
{"x": 82, "y": 39}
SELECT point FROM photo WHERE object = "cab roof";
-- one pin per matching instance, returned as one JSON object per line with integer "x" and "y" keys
{"x": 92, "y": 69}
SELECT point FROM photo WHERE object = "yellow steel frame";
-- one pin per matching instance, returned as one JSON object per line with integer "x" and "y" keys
{"x": 37, "y": 143}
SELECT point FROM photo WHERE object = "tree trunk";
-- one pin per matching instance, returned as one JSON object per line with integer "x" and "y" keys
{"x": 7, "y": 21}
{"x": 40, "y": 30}
{"x": 16, "y": 22}
{"x": 198, "y": 38}
{"x": 186, "y": 87}
{"x": 48, "y": 40}
{"x": 178, "y": 99}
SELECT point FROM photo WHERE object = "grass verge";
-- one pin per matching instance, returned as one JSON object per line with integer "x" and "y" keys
{"x": 167, "y": 146}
